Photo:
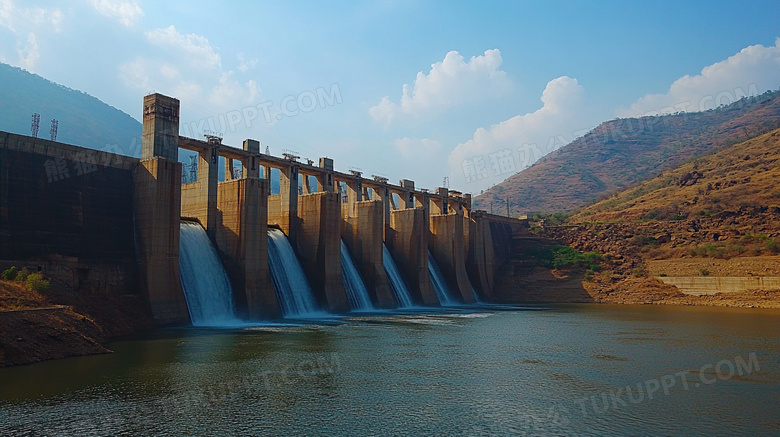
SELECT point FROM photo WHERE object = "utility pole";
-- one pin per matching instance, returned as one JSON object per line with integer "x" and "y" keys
{"x": 507, "y": 206}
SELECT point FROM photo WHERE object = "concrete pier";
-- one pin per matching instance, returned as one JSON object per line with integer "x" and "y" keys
{"x": 409, "y": 247}
{"x": 319, "y": 247}
{"x": 363, "y": 233}
{"x": 158, "y": 211}
{"x": 448, "y": 248}
{"x": 243, "y": 245}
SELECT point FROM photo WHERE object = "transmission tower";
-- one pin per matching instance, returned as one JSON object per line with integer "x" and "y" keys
{"x": 53, "y": 131}
{"x": 36, "y": 123}
{"x": 446, "y": 182}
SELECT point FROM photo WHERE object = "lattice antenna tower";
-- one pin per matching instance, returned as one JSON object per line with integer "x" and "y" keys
{"x": 36, "y": 123}
{"x": 445, "y": 182}
{"x": 53, "y": 131}
{"x": 193, "y": 168}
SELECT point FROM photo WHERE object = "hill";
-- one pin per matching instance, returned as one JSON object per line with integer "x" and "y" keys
{"x": 740, "y": 177}
{"x": 622, "y": 152}
{"x": 83, "y": 120}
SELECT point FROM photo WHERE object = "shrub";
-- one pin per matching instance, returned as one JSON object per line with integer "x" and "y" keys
{"x": 663, "y": 275}
{"x": 772, "y": 246}
{"x": 704, "y": 272}
{"x": 21, "y": 276}
{"x": 638, "y": 272}
{"x": 10, "y": 274}
{"x": 588, "y": 276}
{"x": 35, "y": 282}
{"x": 559, "y": 257}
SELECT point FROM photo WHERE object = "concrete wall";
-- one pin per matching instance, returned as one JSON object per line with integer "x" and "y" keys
{"x": 242, "y": 241}
{"x": 61, "y": 199}
{"x": 448, "y": 248}
{"x": 699, "y": 285}
{"x": 409, "y": 229}
{"x": 318, "y": 242}
{"x": 490, "y": 247}
{"x": 362, "y": 232}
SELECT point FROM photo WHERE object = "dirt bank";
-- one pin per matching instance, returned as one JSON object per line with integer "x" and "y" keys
{"x": 32, "y": 335}
{"x": 60, "y": 323}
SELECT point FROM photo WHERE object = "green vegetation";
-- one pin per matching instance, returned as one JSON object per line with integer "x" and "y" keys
{"x": 33, "y": 281}
{"x": 37, "y": 283}
{"x": 561, "y": 257}
{"x": 10, "y": 274}
{"x": 554, "y": 219}
{"x": 704, "y": 272}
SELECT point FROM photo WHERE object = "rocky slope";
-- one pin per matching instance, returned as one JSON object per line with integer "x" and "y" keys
{"x": 622, "y": 152}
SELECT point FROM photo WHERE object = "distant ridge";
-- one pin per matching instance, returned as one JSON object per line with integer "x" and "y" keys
{"x": 622, "y": 152}
{"x": 83, "y": 120}
{"x": 742, "y": 177}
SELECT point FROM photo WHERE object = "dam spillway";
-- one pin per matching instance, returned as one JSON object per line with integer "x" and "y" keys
{"x": 359, "y": 300}
{"x": 206, "y": 286}
{"x": 439, "y": 282}
{"x": 289, "y": 280}
{"x": 400, "y": 290}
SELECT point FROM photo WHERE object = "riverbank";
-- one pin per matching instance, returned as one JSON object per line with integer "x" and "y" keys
{"x": 59, "y": 323}
{"x": 526, "y": 284}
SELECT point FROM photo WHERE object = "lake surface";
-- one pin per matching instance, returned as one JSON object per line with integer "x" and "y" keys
{"x": 559, "y": 370}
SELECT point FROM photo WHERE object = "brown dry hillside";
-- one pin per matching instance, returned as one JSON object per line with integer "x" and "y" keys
{"x": 623, "y": 152}
{"x": 742, "y": 177}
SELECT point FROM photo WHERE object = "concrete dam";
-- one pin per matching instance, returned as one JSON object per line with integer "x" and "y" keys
{"x": 211, "y": 250}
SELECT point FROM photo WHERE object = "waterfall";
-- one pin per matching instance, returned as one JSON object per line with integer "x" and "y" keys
{"x": 292, "y": 288}
{"x": 206, "y": 285}
{"x": 439, "y": 283}
{"x": 356, "y": 288}
{"x": 402, "y": 295}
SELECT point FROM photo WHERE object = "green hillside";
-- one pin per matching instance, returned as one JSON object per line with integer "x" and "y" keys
{"x": 83, "y": 119}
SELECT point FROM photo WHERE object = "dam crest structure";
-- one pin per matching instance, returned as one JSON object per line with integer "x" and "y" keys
{"x": 322, "y": 212}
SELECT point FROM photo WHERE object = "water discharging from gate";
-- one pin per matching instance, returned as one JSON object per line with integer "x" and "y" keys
{"x": 206, "y": 285}
{"x": 353, "y": 283}
{"x": 439, "y": 283}
{"x": 292, "y": 288}
{"x": 400, "y": 290}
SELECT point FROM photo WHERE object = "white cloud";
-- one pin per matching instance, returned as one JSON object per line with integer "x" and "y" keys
{"x": 230, "y": 92}
{"x": 29, "y": 55}
{"x": 21, "y": 20}
{"x": 450, "y": 83}
{"x": 505, "y": 148}
{"x": 418, "y": 149}
{"x": 194, "y": 48}
{"x": 245, "y": 64}
{"x": 753, "y": 70}
{"x": 147, "y": 76}
{"x": 127, "y": 12}
{"x": 24, "y": 25}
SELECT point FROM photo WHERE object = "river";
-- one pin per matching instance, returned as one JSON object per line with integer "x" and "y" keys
{"x": 556, "y": 370}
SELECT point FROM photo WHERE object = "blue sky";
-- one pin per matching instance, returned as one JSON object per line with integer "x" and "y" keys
{"x": 419, "y": 90}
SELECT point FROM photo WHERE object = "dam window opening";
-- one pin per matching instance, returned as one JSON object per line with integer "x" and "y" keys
{"x": 222, "y": 163}
{"x": 314, "y": 186}
{"x": 369, "y": 194}
{"x": 275, "y": 181}
{"x": 395, "y": 200}
{"x": 343, "y": 191}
